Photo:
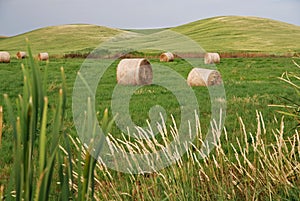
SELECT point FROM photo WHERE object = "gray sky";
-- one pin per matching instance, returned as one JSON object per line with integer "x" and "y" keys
{"x": 17, "y": 16}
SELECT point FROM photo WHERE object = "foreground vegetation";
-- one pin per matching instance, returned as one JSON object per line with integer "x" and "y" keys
{"x": 258, "y": 156}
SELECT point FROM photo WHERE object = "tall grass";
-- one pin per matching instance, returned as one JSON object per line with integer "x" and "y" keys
{"x": 1, "y": 127}
{"x": 1, "y": 124}
{"x": 33, "y": 139}
{"x": 292, "y": 107}
{"x": 251, "y": 168}
{"x": 40, "y": 140}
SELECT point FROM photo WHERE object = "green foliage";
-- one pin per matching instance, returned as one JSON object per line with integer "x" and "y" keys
{"x": 38, "y": 136}
{"x": 32, "y": 178}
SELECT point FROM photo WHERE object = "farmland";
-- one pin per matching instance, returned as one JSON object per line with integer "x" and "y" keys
{"x": 242, "y": 78}
{"x": 258, "y": 156}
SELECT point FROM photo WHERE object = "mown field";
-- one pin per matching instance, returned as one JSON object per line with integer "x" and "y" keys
{"x": 251, "y": 84}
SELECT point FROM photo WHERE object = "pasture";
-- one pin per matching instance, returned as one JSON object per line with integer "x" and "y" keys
{"x": 251, "y": 84}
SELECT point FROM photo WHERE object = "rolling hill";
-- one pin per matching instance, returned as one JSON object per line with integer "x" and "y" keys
{"x": 221, "y": 34}
{"x": 237, "y": 33}
{"x": 57, "y": 40}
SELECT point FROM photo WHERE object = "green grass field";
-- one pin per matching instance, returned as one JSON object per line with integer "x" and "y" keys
{"x": 257, "y": 158}
{"x": 251, "y": 84}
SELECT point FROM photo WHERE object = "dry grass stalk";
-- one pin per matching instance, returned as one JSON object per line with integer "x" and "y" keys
{"x": 251, "y": 170}
{"x": 4, "y": 57}
{"x": 134, "y": 72}
{"x": 204, "y": 77}
{"x": 166, "y": 57}
{"x": 211, "y": 58}
{"x": 2, "y": 196}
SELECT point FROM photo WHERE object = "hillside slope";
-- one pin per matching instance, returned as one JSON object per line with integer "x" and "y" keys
{"x": 221, "y": 34}
{"x": 57, "y": 40}
{"x": 237, "y": 33}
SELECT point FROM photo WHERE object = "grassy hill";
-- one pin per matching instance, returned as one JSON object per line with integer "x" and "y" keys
{"x": 236, "y": 33}
{"x": 221, "y": 34}
{"x": 57, "y": 40}
{"x": 146, "y": 31}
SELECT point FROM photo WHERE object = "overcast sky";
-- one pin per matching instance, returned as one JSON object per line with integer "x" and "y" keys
{"x": 19, "y": 16}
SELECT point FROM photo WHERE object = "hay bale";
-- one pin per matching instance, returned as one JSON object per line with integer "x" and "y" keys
{"x": 204, "y": 77}
{"x": 211, "y": 58}
{"x": 43, "y": 56}
{"x": 134, "y": 72}
{"x": 4, "y": 57}
{"x": 166, "y": 57}
{"x": 21, "y": 55}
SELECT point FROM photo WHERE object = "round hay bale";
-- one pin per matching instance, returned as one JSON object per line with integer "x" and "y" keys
{"x": 21, "y": 55}
{"x": 211, "y": 58}
{"x": 134, "y": 72}
{"x": 4, "y": 57}
{"x": 204, "y": 77}
{"x": 43, "y": 56}
{"x": 166, "y": 57}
